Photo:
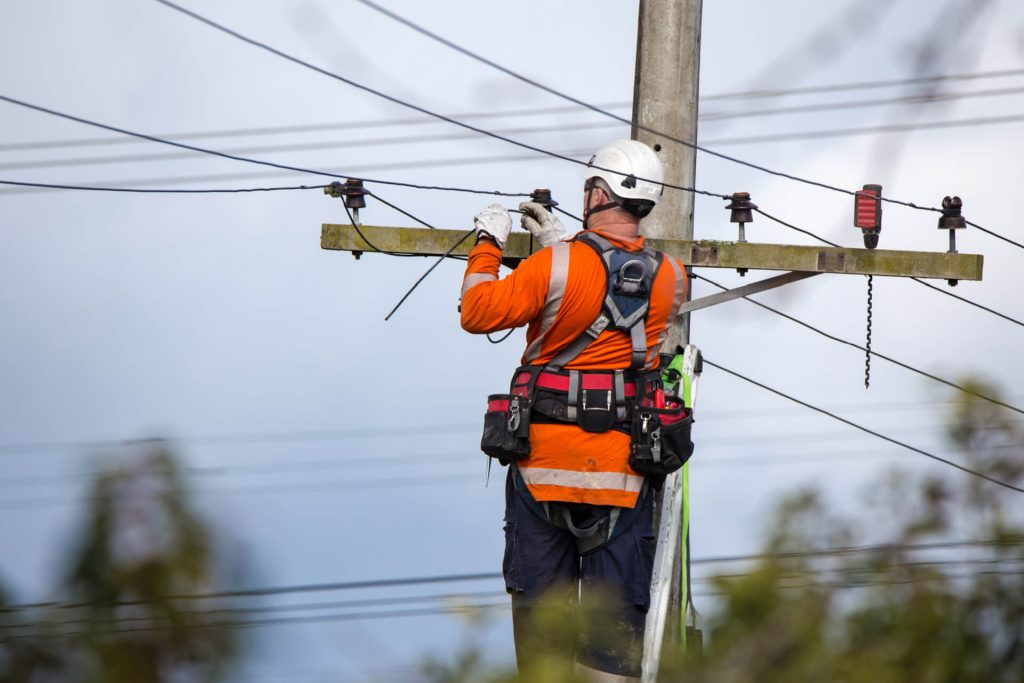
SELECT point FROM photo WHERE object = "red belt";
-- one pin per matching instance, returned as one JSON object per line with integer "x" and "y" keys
{"x": 588, "y": 380}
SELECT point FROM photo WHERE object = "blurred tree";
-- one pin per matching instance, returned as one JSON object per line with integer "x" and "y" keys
{"x": 119, "y": 622}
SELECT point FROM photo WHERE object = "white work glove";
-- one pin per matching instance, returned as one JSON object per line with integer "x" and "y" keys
{"x": 542, "y": 224}
{"x": 494, "y": 222}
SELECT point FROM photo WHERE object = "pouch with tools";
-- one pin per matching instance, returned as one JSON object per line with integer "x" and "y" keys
{"x": 660, "y": 438}
{"x": 506, "y": 427}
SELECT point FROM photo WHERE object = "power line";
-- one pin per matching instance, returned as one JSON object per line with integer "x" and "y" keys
{"x": 234, "y": 157}
{"x": 419, "y": 163}
{"x": 462, "y": 600}
{"x": 462, "y": 161}
{"x": 275, "y": 590}
{"x": 140, "y": 190}
{"x": 309, "y": 606}
{"x": 410, "y": 105}
{"x": 291, "y": 589}
{"x": 925, "y": 453}
{"x": 870, "y": 130}
{"x": 995, "y": 234}
{"x": 293, "y": 147}
{"x": 562, "y": 127}
{"x": 936, "y": 98}
{"x": 292, "y": 128}
{"x": 867, "y": 85}
{"x": 968, "y": 301}
{"x": 229, "y": 439}
{"x": 508, "y": 113}
{"x": 529, "y": 81}
{"x": 901, "y": 364}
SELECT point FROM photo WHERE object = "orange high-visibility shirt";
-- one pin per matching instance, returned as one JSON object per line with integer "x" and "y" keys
{"x": 559, "y": 292}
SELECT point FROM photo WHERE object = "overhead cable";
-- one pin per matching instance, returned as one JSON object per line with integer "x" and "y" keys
{"x": 901, "y": 364}
{"x": 879, "y": 435}
{"x": 835, "y": 551}
{"x": 364, "y": 141}
{"x": 409, "y": 105}
{"x": 150, "y": 190}
{"x": 557, "y": 93}
{"x": 249, "y": 160}
{"x": 507, "y": 113}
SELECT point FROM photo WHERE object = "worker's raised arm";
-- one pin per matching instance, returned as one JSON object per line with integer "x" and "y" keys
{"x": 488, "y": 303}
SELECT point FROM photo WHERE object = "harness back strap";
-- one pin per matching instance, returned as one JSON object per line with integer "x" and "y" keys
{"x": 646, "y": 262}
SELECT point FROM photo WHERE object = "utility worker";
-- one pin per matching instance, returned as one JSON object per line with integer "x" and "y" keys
{"x": 579, "y": 517}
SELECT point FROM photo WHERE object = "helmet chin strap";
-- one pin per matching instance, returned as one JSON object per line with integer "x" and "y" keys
{"x": 588, "y": 212}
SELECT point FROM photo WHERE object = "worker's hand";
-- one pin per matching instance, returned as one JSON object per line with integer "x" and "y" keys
{"x": 542, "y": 224}
{"x": 493, "y": 222}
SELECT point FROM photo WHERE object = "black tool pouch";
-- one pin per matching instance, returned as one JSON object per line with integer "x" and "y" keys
{"x": 596, "y": 409}
{"x": 506, "y": 427}
{"x": 660, "y": 439}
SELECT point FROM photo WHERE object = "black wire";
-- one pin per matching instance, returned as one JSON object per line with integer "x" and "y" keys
{"x": 413, "y": 139}
{"x": 417, "y": 163}
{"x": 265, "y": 609}
{"x": 498, "y": 341}
{"x": 968, "y": 301}
{"x": 409, "y": 215}
{"x": 563, "y": 211}
{"x": 249, "y": 160}
{"x": 295, "y": 147}
{"x": 399, "y": 210}
{"x": 869, "y": 130}
{"x": 276, "y": 590}
{"x": 551, "y": 91}
{"x": 866, "y": 85}
{"x": 442, "y": 257}
{"x": 373, "y": 246}
{"x": 415, "y": 107}
{"x": 138, "y": 190}
{"x": 915, "y": 279}
{"x": 995, "y": 234}
{"x": 874, "y": 353}
{"x": 793, "y": 227}
{"x": 925, "y": 453}
{"x": 378, "y": 123}
{"x": 858, "y": 104}
{"x": 1000, "y": 541}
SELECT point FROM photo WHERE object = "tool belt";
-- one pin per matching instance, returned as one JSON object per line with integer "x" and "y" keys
{"x": 597, "y": 401}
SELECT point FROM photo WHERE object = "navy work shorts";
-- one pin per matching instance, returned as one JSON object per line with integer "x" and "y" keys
{"x": 609, "y": 586}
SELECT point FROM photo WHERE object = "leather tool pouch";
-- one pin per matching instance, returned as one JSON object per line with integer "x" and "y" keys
{"x": 596, "y": 408}
{"x": 660, "y": 439}
{"x": 595, "y": 411}
{"x": 506, "y": 427}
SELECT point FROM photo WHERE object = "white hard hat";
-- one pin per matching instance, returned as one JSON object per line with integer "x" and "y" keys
{"x": 631, "y": 169}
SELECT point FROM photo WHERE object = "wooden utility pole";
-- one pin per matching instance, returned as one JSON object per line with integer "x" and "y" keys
{"x": 665, "y": 99}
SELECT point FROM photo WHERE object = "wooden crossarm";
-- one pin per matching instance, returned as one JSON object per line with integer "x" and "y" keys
{"x": 706, "y": 254}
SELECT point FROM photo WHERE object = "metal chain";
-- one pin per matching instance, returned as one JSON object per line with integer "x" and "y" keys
{"x": 867, "y": 345}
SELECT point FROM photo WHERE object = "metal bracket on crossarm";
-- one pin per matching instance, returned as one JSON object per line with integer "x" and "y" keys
{"x": 745, "y": 290}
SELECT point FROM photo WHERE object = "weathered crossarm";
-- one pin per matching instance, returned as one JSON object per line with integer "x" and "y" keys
{"x": 750, "y": 255}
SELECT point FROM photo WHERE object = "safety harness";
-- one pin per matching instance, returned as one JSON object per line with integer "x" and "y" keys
{"x": 597, "y": 400}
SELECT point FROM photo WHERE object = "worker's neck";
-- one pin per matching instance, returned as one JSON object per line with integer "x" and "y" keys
{"x": 615, "y": 222}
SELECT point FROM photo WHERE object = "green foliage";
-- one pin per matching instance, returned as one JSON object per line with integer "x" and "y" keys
{"x": 119, "y": 622}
